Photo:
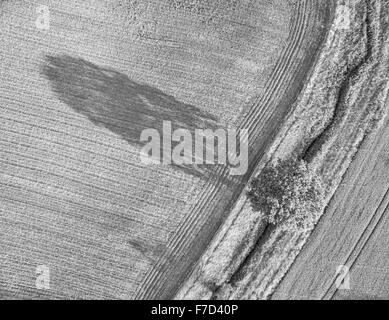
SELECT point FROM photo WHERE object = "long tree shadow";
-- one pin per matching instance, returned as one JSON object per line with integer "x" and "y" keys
{"x": 112, "y": 100}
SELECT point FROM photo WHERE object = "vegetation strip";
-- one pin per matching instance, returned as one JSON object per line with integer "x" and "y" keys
{"x": 351, "y": 109}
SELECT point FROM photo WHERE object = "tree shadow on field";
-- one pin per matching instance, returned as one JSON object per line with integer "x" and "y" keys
{"x": 111, "y": 99}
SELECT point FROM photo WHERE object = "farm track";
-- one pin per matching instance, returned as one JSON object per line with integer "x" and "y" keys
{"x": 260, "y": 115}
{"x": 359, "y": 210}
{"x": 352, "y": 232}
{"x": 65, "y": 178}
{"x": 68, "y": 178}
{"x": 335, "y": 122}
{"x": 358, "y": 250}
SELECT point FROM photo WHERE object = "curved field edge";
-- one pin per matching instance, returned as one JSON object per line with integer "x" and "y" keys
{"x": 215, "y": 201}
{"x": 342, "y": 102}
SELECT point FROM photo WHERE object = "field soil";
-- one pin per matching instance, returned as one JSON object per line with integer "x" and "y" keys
{"x": 73, "y": 101}
{"x": 341, "y": 105}
{"x": 352, "y": 233}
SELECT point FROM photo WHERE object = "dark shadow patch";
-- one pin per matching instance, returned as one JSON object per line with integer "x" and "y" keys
{"x": 111, "y": 99}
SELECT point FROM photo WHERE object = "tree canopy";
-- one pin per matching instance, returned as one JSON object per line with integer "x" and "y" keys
{"x": 288, "y": 193}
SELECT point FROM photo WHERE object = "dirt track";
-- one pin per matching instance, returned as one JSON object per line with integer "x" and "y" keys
{"x": 353, "y": 232}
{"x": 263, "y": 120}
{"x": 74, "y": 196}
{"x": 341, "y": 103}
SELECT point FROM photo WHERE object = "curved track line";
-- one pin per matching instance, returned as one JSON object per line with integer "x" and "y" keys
{"x": 364, "y": 238}
{"x": 189, "y": 225}
{"x": 149, "y": 282}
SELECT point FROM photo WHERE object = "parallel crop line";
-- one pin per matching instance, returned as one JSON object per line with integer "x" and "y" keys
{"x": 364, "y": 238}
{"x": 149, "y": 281}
